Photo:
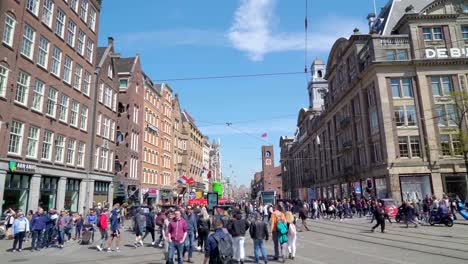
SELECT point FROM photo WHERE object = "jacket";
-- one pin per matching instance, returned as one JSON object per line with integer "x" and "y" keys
{"x": 203, "y": 225}
{"x": 259, "y": 230}
{"x": 191, "y": 222}
{"x": 103, "y": 221}
{"x": 38, "y": 222}
{"x": 238, "y": 226}
{"x": 18, "y": 223}
{"x": 275, "y": 216}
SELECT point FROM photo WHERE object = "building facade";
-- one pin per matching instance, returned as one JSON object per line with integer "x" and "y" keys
{"x": 46, "y": 93}
{"x": 270, "y": 177}
{"x": 194, "y": 150}
{"x": 388, "y": 128}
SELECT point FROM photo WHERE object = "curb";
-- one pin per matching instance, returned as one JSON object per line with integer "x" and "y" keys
{"x": 461, "y": 223}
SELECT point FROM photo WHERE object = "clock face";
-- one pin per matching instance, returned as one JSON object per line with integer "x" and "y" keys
{"x": 267, "y": 154}
{"x": 268, "y": 161}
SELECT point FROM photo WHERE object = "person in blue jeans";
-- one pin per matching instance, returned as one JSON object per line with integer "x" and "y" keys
{"x": 38, "y": 226}
{"x": 191, "y": 220}
{"x": 176, "y": 237}
{"x": 259, "y": 233}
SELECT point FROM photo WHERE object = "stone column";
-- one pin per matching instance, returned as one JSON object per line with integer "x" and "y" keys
{"x": 62, "y": 187}
{"x": 437, "y": 187}
{"x": 82, "y": 199}
{"x": 34, "y": 192}
{"x": 394, "y": 189}
{"x": 90, "y": 193}
{"x": 2, "y": 186}
{"x": 110, "y": 194}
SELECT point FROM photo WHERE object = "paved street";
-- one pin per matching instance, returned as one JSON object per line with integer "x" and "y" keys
{"x": 349, "y": 241}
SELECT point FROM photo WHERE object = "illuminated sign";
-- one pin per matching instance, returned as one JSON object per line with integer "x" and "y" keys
{"x": 444, "y": 53}
{"x": 21, "y": 167}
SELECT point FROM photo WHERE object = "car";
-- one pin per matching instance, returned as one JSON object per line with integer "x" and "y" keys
{"x": 389, "y": 206}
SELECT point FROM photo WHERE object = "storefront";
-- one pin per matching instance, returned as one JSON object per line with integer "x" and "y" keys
{"x": 48, "y": 192}
{"x": 381, "y": 190}
{"x": 415, "y": 186}
{"x": 455, "y": 184}
{"x": 72, "y": 194}
{"x": 16, "y": 194}
{"x": 101, "y": 192}
{"x": 344, "y": 190}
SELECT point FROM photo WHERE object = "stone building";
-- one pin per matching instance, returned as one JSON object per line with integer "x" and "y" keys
{"x": 47, "y": 78}
{"x": 388, "y": 128}
{"x": 194, "y": 151}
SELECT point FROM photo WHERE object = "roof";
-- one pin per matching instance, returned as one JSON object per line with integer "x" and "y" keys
{"x": 158, "y": 88}
{"x": 100, "y": 53}
{"x": 394, "y": 11}
{"x": 318, "y": 61}
{"x": 125, "y": 64}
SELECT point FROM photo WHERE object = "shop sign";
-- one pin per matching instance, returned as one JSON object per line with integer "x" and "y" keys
{"x": 192, "y": 195}
{"x": 444, "y": 53}
{"x": 152, "y": 193}
{"x": 21, "y": 167}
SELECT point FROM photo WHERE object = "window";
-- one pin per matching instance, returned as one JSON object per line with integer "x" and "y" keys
{"x": 96, "y": 158}
{"x": 84, "y": 9}
{"x": 104, "y": 159}
{"x": 71, "y": 151}
{"x": 38, "y": 95}
{"x": 114, "y": 102}
{"x": 3, "y": 80}
{"x": 74, "y": 5}
{"x": 101, "y": 93}
{"x": 43, "y": 54}
{"x": 401, "y": 87}
{"x": 16, "y": 138}
{"x": 112, "y": 135}
{"x": 89, "y": 50}
{"x": 56, "y": 61}
{"x": 51, "y": 102}
{"x": 84, "y": 118}
{"x": 465, "y": 8}
{"x": 403, "y": 144}
{"x": 77, "y": 77}
{"x": 106, "y": 127}
{"x": 86, "y": 83}
{"x": 433, "y": 34}
{"x": 33, "y": 139}
{"x": 63, "y": 111}
{"x": 48, "y": 12}
{"x": 393, "y": 55}
{"x": 59, "y": 145}
{"x": 81, "y": 42}
{"x": 81, "y": 154}
{"x": 92, "y": 19}
{"x": 135, "y": 114}
{"x": 9, "y": 30}
{"x": 22, "y": 87}
{"x": 441, "y": 85}
{"x": 450, "y": 145}
{"x": 27, "y": 47}
{"x": 98, "y": 127}
{"x": 108, "y": 97}
{"x": 111, "y": 161}
{"x": 33, "y": 6}
{"x": 75, "y": 107}
{"x": 60, "y": 23}
{"x": 405, "y": 115}
{"x": 415, "y": 146}
{"x": 464, "y": 30}
{"x": 123, "y": 83}
{"x": 71, "y": 33}
{"x": 110, "y": 71}
{"x": 457, "y": 145}
{"x": 446, "y": 114}
{"x": 47, "y": 145}
{"x": 67, "y": 69}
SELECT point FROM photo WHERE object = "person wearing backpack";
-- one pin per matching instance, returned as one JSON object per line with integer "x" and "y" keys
{"x": 150, "y": 227}
{"x": 102, "y": 225}
{"x": 279, "y": 231}
{"x": 259, "y": 233}
{"x": 218, "y": 250}
{"x": 237, "y": 228}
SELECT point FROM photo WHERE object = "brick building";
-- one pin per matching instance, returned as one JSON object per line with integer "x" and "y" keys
{"x": 47, "y": 65}
{"x": 270, "y": 176}
{"x": 194, "y": 150}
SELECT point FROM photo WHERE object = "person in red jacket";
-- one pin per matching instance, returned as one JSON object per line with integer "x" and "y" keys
{"x": 102, "y": 225}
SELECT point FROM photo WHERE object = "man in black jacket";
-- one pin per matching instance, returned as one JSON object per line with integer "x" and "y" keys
{"x": 259, "y": 233}
{"x": 237, "y": 228}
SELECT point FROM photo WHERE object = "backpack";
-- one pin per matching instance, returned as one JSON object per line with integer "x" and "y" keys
{"x": 225, "y": 251}
{"x": 149, "y": 220}
{"x": 98, "y": 221}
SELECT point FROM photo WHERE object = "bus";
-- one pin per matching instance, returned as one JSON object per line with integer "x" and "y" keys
{"x": 267, "y": 197}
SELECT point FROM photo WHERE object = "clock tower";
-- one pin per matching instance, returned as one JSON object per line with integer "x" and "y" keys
{"x": 268, "y": 159}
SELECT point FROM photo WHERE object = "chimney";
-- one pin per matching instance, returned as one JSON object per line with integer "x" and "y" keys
{"x": 371, "y": 21}
{"x": 110, "y": 41}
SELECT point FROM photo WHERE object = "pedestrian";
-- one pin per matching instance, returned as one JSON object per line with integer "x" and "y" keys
{"x": 19, "y": 229}
{"x": 203, "y": 226}
{"x": 9, "y": 220}
{"x": 278, "y": 231}
{"x": 165, "y": 231}
{"x": 237, "y": 228}
{"x": 191, "y": 220}
{"x": 150, "y": 225}
{"x": 115, "y": 232}
{"x": 91, "y": 219}
{"x": 292, "y": 234}
{"x": 102, "y": 226}
{"x": 176, "y": 237}
{"x": 61, "y": 224}
{"x": 409, "y": 213}
{"x": 38, "y": 226}
{"x": 139, "y": 222}
{"x": 219, "y": 249}
{"x": 259, "y": 233}
{"x": 159, "y": 221}
{"x": 379, "y": 213}
{"x": 69, "y": 226}
{"x": 315, "y": 209}
{"x": 78, "y": 226}
{"x": 303, "y": 217}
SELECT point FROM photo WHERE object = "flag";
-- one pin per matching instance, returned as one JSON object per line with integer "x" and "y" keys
{"x": 190, "y": 181}
{"x": 209, "y": 175}
{"x": 182, "y": 180}
{"x": 264, "y": 135}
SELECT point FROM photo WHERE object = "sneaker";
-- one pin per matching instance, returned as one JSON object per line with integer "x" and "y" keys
{"x": 14, "y": 250}
{"x": 117, "y": 249}
{"x": 198, "y": 248}
{"x": 153, "y": 243}
{"x": 141, "y": 242}
{"x": 19, "y": 250}
{"x": 99, "y": 248}
{"x": 109, "y": 250}
{"x": 135, "y": 244}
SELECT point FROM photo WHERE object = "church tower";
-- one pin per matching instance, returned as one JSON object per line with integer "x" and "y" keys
{"x": 318, "y": 86}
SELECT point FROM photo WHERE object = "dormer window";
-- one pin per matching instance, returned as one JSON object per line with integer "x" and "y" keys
{"x": 110, "y": 72}
{"x": 433, "y": 34}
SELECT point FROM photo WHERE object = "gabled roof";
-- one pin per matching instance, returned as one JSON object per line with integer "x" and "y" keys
{"x": 394, "y": 11}
{"x": 125, "y": 64}
{"x": 100, "y": 53}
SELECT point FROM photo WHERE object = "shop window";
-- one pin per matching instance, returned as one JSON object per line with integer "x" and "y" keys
{"x": 414, "y": 187}
{"x": 48, "y": 194}
{"x": 16, "y": 192}
{"x": 72, "y": 194}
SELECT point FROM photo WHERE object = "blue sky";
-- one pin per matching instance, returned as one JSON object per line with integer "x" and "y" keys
{"x": 179, "y": 39}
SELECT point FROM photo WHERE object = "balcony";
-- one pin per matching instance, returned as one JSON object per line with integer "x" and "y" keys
{"x": 385, "y": 48}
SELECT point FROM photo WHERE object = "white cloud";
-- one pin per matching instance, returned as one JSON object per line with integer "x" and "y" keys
{"x": 253, "y": 32}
